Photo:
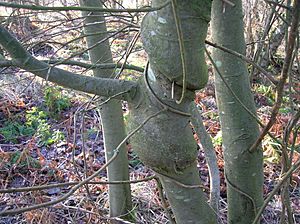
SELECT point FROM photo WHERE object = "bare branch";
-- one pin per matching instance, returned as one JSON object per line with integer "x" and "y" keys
{"x": 9, "y": 63}
{"x": 284, "y": 73}
{"x": 210, "y": 156}
{"x": 77, "y": 8}
{"x": 276, "y": 189}
{"x": 279, "y": 4}
{"x": 88, "y": 84}
{"x": 163, "y": 200}
{"x": 244, "y": 58}
{"x": 49, "y": 186}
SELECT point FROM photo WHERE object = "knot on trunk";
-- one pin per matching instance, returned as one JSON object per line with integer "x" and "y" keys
{"x": 161, "y": 42}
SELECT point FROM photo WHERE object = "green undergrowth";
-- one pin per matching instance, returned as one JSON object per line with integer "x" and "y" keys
{"x": 217, "y": 140}
{"x": 22, "y": 161}
{"x": 56, "y": 101}
{"x": 13, "y": 130}
{"x": 37, "y": 120}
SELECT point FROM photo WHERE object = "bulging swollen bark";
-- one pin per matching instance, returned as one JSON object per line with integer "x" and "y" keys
{"x": 165, "y": 143}
{"x": 160, "y": 39}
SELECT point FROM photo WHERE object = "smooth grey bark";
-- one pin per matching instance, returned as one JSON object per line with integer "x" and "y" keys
{"x": 243, "y": 170}
{"x": 120, "y": 89}
{"x": 166, "y": 143}
{"x": 210, "y": 156}
{"x": 111, "y": 114}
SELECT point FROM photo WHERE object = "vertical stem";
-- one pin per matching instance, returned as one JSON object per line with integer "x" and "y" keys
{"x": 210, "y": 157}
{"x": 188, "y": 203}
{"x": 111, "y": 115}
{"x": 243, "y": 170}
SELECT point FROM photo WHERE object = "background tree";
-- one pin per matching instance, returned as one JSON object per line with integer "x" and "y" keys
{"x": 243, "y": 169}
{"x": 111, "y": 112}
{"x": 173, "y": 34}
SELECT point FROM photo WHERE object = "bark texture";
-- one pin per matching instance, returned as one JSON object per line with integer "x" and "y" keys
{"x": 243, "y": 170}
{"x": 166, "y": 142}
{"x": 111, "y": 113}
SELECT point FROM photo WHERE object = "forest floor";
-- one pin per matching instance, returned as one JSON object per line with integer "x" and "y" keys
{"x": 32, "y": 154}
{"x": 46, "y": 131}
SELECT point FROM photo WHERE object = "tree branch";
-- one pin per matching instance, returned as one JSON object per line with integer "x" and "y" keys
{"x": 9, "y": 63}
{"x": 210, "y": 156}
{"x": 284, "y": 74}
{"x": 285, "y": 178}
{"x": 77, "y": 8}
{"x": 163, "y": 200}
{"x": 49, "y": 186}
{"x": 244, "y": 58}
{"x": 88, "y": 84}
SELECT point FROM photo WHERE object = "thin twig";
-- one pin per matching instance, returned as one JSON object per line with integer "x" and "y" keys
{"x": 89, "y": 48}
{"x": 92, "y": 66}
{"x": 229, "y": 3}
{"x": 284, "y": 74}
{"x": 77, "y": 8}
{"x": 184, "y": 185}
{"x": 244, "y": 58}
{"x": 181, "y": 48}
{"x": 276, "y": 189}
{"x": 49, "y": 186}
{"x": 128, "y": 52}
{"x": 163, "y": 104}
{"x": 80, "y": 184}
{"x": 237, "y": 189}
{"x": 163, "y": 201}
{"x": 279, "y": 4}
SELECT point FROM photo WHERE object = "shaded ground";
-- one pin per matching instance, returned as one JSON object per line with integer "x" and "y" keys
{"x": 27, "y": 158}
{"x": 25, "y": 162}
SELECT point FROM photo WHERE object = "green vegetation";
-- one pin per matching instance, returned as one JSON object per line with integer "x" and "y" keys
{"x": 271, "y": 150}
{"x": 37, "y": 119}
{"x": 56, "y": 101}
{"x": 267, "y": 91}
{"x": 23, "y": 161}
{"x": 13, "y": 130}
{"x": 217, "y": 140}
{"x": 37, "y": 124}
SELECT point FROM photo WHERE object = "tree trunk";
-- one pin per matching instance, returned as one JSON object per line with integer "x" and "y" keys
{"x": 174, "y": 40}
{"x": 111, "y": 114}
{"x": 166, "y": 143}
{"x": 243, "y": 170}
